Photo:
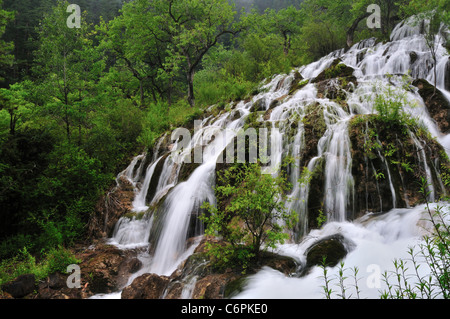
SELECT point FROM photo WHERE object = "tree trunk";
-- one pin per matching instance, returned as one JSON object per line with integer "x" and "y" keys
{"x": 66, "y": 112}
{"x": 12, "y": 124}
{"x": 352, "y": 29}
{"x": 287, "y": 43}
{"x": 141, "y": 91}
{"x": 169, "y": 92}
{"x": 190, "y": 80}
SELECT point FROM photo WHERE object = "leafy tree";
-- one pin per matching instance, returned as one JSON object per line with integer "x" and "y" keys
{"x": 285, "y": 23}
{"x": 69, "y": 187}
{"x": 15, "y": 102}
{"x": 194, "y": 27}
{"x": 67, "y": 66}
{"x": 331, "y": 25}
{"x": 23, "y": 158}
{"x": 254, "y": 216}
{"x": 136, "y": 40}
{"x": 6, "y": 58}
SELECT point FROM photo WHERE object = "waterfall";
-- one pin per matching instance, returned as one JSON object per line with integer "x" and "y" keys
{"x": 162, "y": 222}
{"x": 338, "y": 178}
{"x": 376, "y": 242}
{"x": 139, "y": 203}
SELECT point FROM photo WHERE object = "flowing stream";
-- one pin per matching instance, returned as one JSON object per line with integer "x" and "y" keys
{"x": 376, "y": 239}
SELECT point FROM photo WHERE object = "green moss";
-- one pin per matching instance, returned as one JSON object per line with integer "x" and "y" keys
{"x": 235, "y": 287}
{"x": 336, "y": 70}
{"x": 298, "y": 85}
{"x": 134, "y": 215}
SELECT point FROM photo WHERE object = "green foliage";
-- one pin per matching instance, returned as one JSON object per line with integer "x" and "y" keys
{"x": 77, "y": 102}
{"x": 55, "y": 260}
{"x": 390, "y": 103}
{"x": 15, "y": 101}
{"x": 321, "y": 218}
{"x": 251, "y": 220}
{"x": 6, "y": 48}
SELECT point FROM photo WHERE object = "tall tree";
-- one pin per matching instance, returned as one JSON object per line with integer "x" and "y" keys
{"x": 194, "y": 27}
{"x": 285, "y": 23}
{"x": 67, "y": 65}
{"x": 6, "y": 57}
{"x": 139, "y": 45}
{"x": 15, "y": 101}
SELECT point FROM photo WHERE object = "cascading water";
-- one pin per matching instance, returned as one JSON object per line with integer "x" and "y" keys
{"x": 376, "y": 242}
{"x": 164, "y": 226}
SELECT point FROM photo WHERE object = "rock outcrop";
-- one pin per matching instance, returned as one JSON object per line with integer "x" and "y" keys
{"x": 147, "y": 286}
{"x": 20, "y": 287}
{"x": 333, "y": 249}
{"x": 436, "y": 103}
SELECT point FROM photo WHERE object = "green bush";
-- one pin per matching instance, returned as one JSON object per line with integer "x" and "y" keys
{"x": 155, "y": 122}
{"x": 57, "y": 260}
{"x": 250, "y": 219}
{"x": 54, "y": 260}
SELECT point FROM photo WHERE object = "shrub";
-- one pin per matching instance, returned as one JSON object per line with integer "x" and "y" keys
{"x": 251, "y": 219}
{"x": 54, "y": 260}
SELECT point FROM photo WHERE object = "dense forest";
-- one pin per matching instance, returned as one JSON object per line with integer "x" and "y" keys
{"x": 77, "y": 104}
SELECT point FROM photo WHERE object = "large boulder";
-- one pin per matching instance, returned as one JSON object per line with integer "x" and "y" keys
{"x": 213, "y": 286}
{"x": 334, "y": 248}
{"x": 106, "y": 268}
{"x": 337, "y": 69}
{"x": 21, "y": 286}
{"x": 55, "y": 287}
{"x": 147, "y": 286}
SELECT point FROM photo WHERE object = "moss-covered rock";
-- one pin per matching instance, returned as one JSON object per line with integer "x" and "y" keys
{"x": 337, "y": 69}
{"x": 316, "y": 194}
{"x": 258, "y": 105}
{"x": 297, "y": 85}
{"x": 336, "y": 88}
{"x": 333, "y": 248}
{"x": 385, "y": 156}
{"x": 314, "y": 127}
{"x": 437, "y": 105}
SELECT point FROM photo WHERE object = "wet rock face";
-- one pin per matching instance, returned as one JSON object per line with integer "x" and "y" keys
{"x": 435, "y": 102}
{"x": 447, "y": 74}
{"x": 386, "y": 162}
{"x": 197, "y": 277}
{"x": 334, "y": 248}
{"x": 337, "y": 69}
{"x": 110, "y": 208}
{"x": 147, "y": 286}
{"x": 213, "y": 286}
{"x": 107, "y": 268}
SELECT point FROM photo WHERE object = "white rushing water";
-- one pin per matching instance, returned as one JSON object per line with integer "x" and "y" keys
{"x": 376, "y": 241}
